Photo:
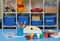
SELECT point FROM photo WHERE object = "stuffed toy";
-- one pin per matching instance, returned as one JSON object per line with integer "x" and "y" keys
{"x": 32, "y": 29}
{"x": 20, "y": 6}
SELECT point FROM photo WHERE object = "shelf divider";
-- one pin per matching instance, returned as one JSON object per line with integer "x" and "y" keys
{"x": 30, "y": 11}
{"x": 57, "y": 13}
{"x": 43, "y": 13}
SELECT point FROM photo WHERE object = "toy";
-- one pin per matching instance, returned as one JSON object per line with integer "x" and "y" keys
{"x": 20, "y": 6}
{"x": 31, "y": 36}
{"x": 27, "y": 37}
{"x": 35, "y": 36}
{"x": 51, "y": 32}
{"x": 59, "y": 34}
{"x": 10, "y": 36}
{"x": 19, "y": 30}
{"x": 38, "y": 36}
{"x": 46, "y": 35}
{"x": 55, "y": 36}
{"x": 37, "y": 10}
{"x": 41, "y": 35}
{"x": 32, "y": 29}
{"x": 9, "y": 7}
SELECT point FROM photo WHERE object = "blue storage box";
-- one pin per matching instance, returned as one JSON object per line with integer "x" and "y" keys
{"x": 9, "y": 20}
{"x": 50, "y": 20}
{"x": 37, "y": 22}
{"x": 22, "y": 19}
{"x": 50, "y": 4}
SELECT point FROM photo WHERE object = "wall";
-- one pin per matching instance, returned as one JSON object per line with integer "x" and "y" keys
{"x": 59, "y": 14}
{"x": 0, "y": 9}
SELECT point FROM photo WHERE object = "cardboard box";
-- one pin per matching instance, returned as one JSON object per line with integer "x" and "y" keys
{"x": 51, "y": 9}
{"x": 35, "y": 17}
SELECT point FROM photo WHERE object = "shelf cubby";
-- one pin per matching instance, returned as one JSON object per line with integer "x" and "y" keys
{"x": 23, "y": 17}
{"x": 9, "y": 20}
{"x": 50, "y": 20}
{"x": 50, "y": 6}
{"x": 23, "y": 6}
{"x": 9, "y": 5}
{"x": 37, "y": 20}
{"x": 36, "y": 5}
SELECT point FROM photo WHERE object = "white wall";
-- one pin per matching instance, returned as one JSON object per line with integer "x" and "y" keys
{"x": 0, "y": 9}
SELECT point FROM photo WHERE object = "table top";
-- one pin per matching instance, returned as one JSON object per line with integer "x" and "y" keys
{"x": 2, "y": 38}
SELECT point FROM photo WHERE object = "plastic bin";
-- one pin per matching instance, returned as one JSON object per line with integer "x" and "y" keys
{"x": 50, "y": 20}
{"x": 22, "y": 19}
{"x": 9, "y": 20}
{"x": 37, "y": 22}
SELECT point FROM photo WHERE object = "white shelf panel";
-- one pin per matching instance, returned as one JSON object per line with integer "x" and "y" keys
{"x": 37, "y": 12}
{"x": 23, "y": 12}
{"x": 37, "y": 26}
{"x": 9, "y": 26}
{"x": 50, "y": 12}
{"x": 50, "y": 26}
{"x": 40, "y": 26}
{"x": 50, "y": 29}
{"x": 9, "y": 12}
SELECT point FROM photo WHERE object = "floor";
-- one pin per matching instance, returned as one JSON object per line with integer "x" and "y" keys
{"x": 3, "y": 38}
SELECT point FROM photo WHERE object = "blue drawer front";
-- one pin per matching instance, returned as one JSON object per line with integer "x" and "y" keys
{"x": 9, "y": 20}
{"x": 50, "y": 20}
{"x": 37, "y": 23}
{"x": 23, "y": 19}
